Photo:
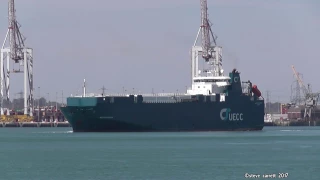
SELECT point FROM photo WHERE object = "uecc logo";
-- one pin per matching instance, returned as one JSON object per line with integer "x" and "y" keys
{"x": 225, "y": 114}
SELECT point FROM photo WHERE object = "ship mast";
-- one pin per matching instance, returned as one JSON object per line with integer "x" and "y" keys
{"x": 103, "y": 90}
{"x": 84, "y": 88}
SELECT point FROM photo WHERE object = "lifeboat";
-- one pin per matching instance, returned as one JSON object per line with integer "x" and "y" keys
{"x": 256, "y": 91}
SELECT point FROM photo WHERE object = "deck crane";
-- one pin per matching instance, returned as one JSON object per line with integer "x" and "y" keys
{"x": 310, "y": 98}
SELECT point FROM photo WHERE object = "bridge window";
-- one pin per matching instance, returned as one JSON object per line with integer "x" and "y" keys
{"x": 211, "y": 80}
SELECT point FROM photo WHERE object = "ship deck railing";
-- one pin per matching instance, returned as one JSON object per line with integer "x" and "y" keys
{"x": 143, "y": 94}
{"x": 126, "y": 95}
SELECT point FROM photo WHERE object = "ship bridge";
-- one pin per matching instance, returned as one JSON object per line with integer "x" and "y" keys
{"x": 212, "y": 79}
{"x": 209, "y": 85}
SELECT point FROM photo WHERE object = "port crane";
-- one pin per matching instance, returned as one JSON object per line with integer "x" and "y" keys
{"x": 14, "y": 51}
{"x": 210, "y": 51}
{"x": 310, "y": 98}
{"x": 206, "y": 60}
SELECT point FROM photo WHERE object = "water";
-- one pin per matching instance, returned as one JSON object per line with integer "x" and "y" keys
{"x": 58, "y": 153}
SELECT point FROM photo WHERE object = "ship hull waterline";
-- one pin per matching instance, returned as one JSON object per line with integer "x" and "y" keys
{"x": 233, "y": 110}
{"x": 135, "y": 118}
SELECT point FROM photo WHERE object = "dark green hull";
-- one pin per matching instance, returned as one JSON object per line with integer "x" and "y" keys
{"x": 160, "y": 117}
{"x": 135, "y": 114}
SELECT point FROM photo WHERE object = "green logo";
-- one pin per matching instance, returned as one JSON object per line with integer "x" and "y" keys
{"x": 225, "y": 114}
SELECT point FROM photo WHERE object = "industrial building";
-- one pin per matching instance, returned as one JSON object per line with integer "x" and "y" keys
{"x": 297, "y": 113}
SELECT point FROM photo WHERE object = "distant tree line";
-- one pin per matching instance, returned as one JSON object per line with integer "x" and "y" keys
{"x": 18, "y": 104}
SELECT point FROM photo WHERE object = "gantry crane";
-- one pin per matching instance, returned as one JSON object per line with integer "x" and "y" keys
{"x": 206, "y": 58}
{"x": 210, "y": 51}
{"x": 310, "y": 98}
{"x": 14, "y": 51}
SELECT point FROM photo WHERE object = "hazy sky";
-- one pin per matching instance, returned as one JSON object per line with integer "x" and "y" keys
{"x": 145, "y": 44}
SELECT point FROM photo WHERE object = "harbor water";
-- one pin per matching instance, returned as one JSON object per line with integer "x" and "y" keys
{"x": 58, "y": 153}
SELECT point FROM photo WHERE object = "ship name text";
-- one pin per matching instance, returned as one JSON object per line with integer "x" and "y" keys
{"x": 225, "y": 114}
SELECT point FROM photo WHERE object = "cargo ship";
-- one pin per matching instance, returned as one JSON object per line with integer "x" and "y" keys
{"x": 214, "y": 102}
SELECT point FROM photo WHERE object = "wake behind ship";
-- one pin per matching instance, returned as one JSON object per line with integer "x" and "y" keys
{"x": 214, "y": 102}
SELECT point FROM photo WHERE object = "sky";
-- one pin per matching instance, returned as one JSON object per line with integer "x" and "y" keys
{"x": 145, "y": 45}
